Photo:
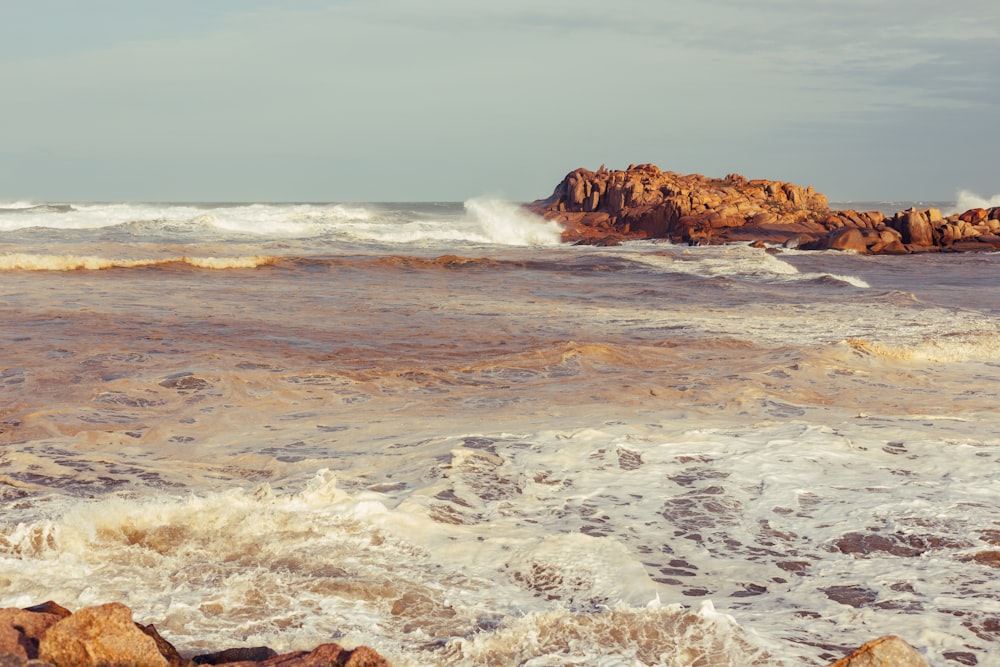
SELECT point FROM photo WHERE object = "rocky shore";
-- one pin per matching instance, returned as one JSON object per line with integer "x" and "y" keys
{"x": 49, "y": 635}
{"x": 606, "y": 207}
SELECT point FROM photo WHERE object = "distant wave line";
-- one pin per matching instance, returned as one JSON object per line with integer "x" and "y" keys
{"x": 31, "y": 262}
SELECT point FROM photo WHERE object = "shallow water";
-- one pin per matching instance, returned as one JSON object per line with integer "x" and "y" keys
{"x": 434, "y": 430}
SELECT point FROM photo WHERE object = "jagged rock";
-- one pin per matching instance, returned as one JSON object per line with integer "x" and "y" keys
{"x": 22, "y": 630}
{"x": 50, "y": 607}
{"x": 975, "y": 216}
{"x": 102, "y": 636}
{"x": 847, "y": 238}
{"x": 165, "y": 648}
{"x": 889, "y": 651}
{"x": 325, "y": 655}
{"x": 915, "y": 226}
{"x": 644, "y": 202}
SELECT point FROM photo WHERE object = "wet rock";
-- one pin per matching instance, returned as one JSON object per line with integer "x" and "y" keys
{"x": 325, "y": 655}
{"x": 50, "y": 607}
{"x": 49, "y": 635}
{"x": 853, "y": 596}
{"x": 22, "y": 630}
{"x": 900, "y": 544}
{"x": 848, "y": 238}
{"x": 990, "y": 558}
{"x": 889, "y": 651}
{"x": 915, "y": 226}
{"x": 250, "y": 654}
{"x": 102, "y": 636}
{"x": 165, "y": 648}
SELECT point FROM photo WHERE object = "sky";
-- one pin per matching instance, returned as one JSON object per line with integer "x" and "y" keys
{"x": 444, "y": 100}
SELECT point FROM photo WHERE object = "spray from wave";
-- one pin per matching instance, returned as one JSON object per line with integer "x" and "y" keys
{"x": 506, "y": 223}
{"x": 967, "y": 199}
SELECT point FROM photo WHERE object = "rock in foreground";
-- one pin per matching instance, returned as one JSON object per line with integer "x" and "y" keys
{"x": 889, "y": 651}
{"x": 642, "y": 202}
{"x": 106, "y": 636}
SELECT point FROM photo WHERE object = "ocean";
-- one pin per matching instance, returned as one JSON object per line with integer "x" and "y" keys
{"x": 435, "y": 430}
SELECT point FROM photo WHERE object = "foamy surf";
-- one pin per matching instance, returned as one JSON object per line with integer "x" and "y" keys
{"x": 457, "y": 450}
{"x": 967, "y": 199}
{"x": 336, "y": 565}
{"x": 732, "y": 261}
{"x": 957, "y": 347}
{"x": 31, "y": 262}
{"x": 509, "y": 224}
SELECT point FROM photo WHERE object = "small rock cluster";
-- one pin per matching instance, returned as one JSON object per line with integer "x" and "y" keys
{"x": 605, "y": 207}
{"x": 49, "y": 635}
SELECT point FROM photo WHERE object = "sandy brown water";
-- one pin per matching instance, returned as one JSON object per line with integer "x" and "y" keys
{"x": 467, "y": 454}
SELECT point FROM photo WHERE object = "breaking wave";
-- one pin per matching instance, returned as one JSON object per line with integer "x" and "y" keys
{"x": 29, "y": 262}
{"x": 973, "y": 347}
{"x": 509, "y": 224}
{"x": 968, "y": 200}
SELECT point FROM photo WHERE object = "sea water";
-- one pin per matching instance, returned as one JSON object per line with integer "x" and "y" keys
{"x": 435, "y": 430}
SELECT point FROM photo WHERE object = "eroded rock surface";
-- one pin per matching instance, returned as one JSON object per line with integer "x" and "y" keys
{"x": 604, "y": 207}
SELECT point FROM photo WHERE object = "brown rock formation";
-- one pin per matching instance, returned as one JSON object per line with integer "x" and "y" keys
{"x": 889, "y": 651}
{"x": 644, "y": 202}
{"x": 21, "y": 631}
{"x": 325, "y": 655}
{"x": 49, "y": 635}
{"x": 103, "y": 636}
{"x": 604, "y": 207}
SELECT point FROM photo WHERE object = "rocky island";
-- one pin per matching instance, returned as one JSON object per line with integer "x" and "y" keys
{"x": 643, "y": 202}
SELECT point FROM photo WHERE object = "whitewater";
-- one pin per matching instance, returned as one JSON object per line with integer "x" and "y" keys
{"x": 436, "y": 430}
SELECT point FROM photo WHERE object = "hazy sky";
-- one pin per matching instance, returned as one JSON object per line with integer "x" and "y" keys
{"x": 392, "y": 100}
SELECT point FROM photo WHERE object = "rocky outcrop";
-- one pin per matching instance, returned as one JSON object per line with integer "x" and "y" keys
{"x": 98, "y": 636}
{"x": 889, "y": 651}
{"x": 48, "y": 635}
{"x": 644, "y": 202}
{"x": 605, "y": 207}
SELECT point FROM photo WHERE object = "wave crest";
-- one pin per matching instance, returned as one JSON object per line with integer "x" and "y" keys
{"x": 29, "y": 262}
{"x": 967, "y": 200}
{"x": 958, "y": 349}
{"x": 509, "y": 224}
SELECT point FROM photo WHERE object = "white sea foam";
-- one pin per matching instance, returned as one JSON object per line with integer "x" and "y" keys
{"x": 525, "y": 455}
{"x": 509, "y": 224}
{"x": 732, "y": 261}
{"x": 33, "y": 262}
{"x": 302, "y": 220}
{"x": 750, "y": 522}
{"x": 486, "y": 221}
{"x": 956, "y": 347}
{"x": 967, "y": 199}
